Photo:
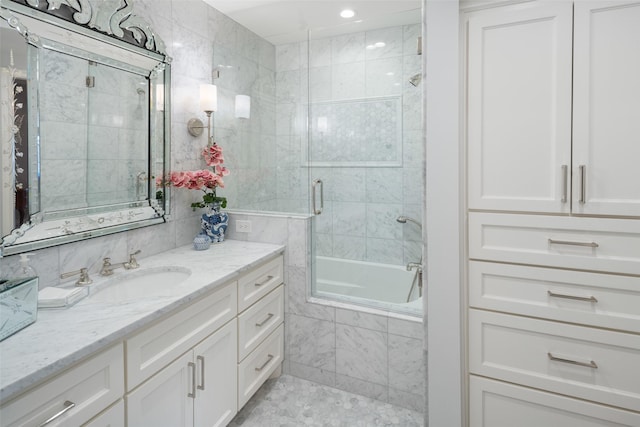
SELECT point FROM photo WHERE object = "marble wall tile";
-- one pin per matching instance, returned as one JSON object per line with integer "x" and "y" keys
{"x": 310, "y": 373}
{"x": 361, "y": 353}
{"x": 288, "y": 86}
{"x": 90, "y": 253}
{"x": 320, "y": 83}
{"x": 347, "y": 81}
{"x": 191, "y": 15}
{"x": 361, "y": 387}
{"x": 403, "y": 399}
{"x": 222, "y": 29}
{"x": 324, "y": 223}
{"x": 412, "y": 184}
{"x": 406, "y": 367}
{"x": 381, "y": 221}
{"x": 383, "y": 77}
{"x": 406, "y": 328}
{"x": 361, "y": 320}
{"x": 45, "y": 262}
{"x": 324, "y": 244}
{"x": 311, "y": 342}
{"x": 391, "y": 37}
{"x": 384, "y": 251}
{"x": 345, "y": 184}
{"x": 349, "y": 247}
{"x": 348, "y": 48}
{"x": 320, "y": 52}
{"x": 349, "y": 219}
{"x": 297, "y": 243}
{"x": 383, "y": 184}
{"x": 296, "y": 283}
{"x": 288, "y": 57}
{"x": 68, "y": 140}
{"x": 192, "y": 56}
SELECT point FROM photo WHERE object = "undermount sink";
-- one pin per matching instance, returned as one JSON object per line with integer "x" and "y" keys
{"x": 141, "y": 283}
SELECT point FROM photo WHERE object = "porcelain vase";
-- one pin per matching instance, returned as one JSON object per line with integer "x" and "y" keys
{"x": 214, "y": 223}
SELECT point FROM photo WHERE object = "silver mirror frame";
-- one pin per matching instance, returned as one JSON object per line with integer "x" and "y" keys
{"x": 109, "y": 25}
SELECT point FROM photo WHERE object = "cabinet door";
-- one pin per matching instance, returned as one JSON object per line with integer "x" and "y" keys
{"x": 606, "y": 172}
{"x": 519, "y": 107}
{"x": 217, "y": 381}
{"x": 164, "y": 400}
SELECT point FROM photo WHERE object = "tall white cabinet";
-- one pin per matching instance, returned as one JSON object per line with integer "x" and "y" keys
{"x": 553, "y": 197}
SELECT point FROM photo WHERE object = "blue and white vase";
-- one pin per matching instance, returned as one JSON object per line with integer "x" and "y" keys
{"x": 214, "y": 223}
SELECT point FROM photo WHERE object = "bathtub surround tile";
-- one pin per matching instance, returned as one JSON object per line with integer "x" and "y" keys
{"x": 406, "y": 328}
{"x": 320, "y": 52}
{"x": 384, "y": 251}
{"x": 406, "y": 400}
{"x": 349, "y": 247}
{"x": 349, "y": 219}
{"x": 288, "y": 57}
{"x": 311, "y": 342}
{"x": 383, "y": 77}
{"x": 361, "y": 387}
{"x": 316, "y": 375}
{"x": 406, "y": 370}
{"x": 347, "y": 81}
{"x": 384, "y": 43}
{"x": 297, "y": 242}
{"x": 381, "y": 221}
{"x": 297, "y": 297}
{"x": 348, "y": 48}
{"x": 361, "y": 320}
{"x": 361, "y": 353}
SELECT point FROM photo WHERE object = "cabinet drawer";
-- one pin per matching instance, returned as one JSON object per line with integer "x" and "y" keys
{"x": 91, "y": 387}
{"x": 254, "y": 370}
{"x": 259, "y": 320}
{"x": 155, "y": 347}
{"x": 588, "y": 363}
{"x": 602, "y": 300}
{"x": 112, "y": 417}
{"x": 497, "y": 404}
{"x": 598, "y": 244}
{"x": 259, "y": 282}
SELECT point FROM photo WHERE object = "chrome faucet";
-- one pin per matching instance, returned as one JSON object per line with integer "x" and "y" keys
{"x": 107, "y": 267}
{"x": 84, "y": 278}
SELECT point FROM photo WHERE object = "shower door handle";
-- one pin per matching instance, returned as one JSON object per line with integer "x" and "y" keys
{"x": 317, "y": 182}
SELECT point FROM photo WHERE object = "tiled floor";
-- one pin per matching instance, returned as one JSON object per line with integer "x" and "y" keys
{"x": 292, "y": 402}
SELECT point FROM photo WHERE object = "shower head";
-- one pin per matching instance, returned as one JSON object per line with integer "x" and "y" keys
{"x": 415, "y": 79}
{"x": 403, "y": 220}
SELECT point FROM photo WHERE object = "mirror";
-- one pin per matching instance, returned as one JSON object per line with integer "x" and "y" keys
{"x": 84, "y": 115}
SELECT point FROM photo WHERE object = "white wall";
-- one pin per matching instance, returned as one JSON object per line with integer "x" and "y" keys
{"x": 443, "y": 222}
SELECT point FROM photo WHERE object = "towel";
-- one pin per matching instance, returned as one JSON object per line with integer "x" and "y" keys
{"x": 51, "y": 297}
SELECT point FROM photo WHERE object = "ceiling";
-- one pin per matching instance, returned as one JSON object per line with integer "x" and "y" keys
{"x": 281, "y": 22}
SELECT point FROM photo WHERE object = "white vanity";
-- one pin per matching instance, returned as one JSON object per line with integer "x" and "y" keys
{"x": 187, "y": 355}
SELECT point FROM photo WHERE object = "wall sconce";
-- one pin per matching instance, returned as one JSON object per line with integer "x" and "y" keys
{"x": 243, "y": 106}
{"x": 208, "y": 104}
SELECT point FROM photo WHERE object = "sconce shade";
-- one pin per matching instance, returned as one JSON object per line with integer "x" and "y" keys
{"x": 208, "y": 97}
{"x": 243, "y": 106}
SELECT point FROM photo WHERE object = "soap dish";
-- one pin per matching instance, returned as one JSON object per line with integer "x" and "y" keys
{"x": 52, "y": 297}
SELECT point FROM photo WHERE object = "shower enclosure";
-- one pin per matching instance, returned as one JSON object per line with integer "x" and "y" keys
{"x": 336, "y": 132}
{"x": 365, "y": 162}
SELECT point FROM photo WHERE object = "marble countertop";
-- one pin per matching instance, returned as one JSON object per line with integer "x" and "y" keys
{"x": 60, "y": 338}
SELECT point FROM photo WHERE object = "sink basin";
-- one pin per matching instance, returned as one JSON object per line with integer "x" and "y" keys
{"x": 142, "y": 283}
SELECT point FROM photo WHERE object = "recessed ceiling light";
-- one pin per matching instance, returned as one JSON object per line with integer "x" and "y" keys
{"x": 347, "y": 13}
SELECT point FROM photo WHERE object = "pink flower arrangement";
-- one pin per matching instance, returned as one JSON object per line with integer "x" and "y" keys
{"x": 207, "y": 180}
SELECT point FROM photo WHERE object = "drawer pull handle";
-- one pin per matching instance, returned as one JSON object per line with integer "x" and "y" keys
{"x": 577, "y": 298}
{"x": 67, "y": 407}
{"x": 192, "y": 366}
{"x": 260, "y": 324}
{"x": 590, "y": 364}
{"x": 264, "y": 282}
{"x": 569, "y": 242}
{"x": 269, "y": 359}
{"x": 201, "y": 360}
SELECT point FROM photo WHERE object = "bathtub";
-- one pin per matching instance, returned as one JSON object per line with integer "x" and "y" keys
{"x": 373, "y": 284}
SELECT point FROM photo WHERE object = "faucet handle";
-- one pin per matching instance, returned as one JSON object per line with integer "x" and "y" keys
{"x": 133, "y": 263}
{"x": 84, "y": 278}
{"x": 106, "y": 269}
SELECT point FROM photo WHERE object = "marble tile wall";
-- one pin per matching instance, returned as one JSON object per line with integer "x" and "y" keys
{"x": 361, "y": 201}
{"x": 370, "y": 353}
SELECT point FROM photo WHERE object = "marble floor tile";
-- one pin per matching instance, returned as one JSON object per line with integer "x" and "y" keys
{"x": 292, "y": 402}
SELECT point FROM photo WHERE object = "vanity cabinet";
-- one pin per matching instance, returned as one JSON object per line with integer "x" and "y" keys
{"x": 553, "y": 220}
{"x": 197, "y": 389}
{"x": 553, "y": 101}
{"x": 73, "y": 397}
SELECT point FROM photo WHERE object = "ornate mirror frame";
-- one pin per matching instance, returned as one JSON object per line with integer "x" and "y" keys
{"x": 109, "y": 33}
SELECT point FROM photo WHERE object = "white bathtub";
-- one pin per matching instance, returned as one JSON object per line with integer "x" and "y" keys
{"x": 370, "y": 283}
